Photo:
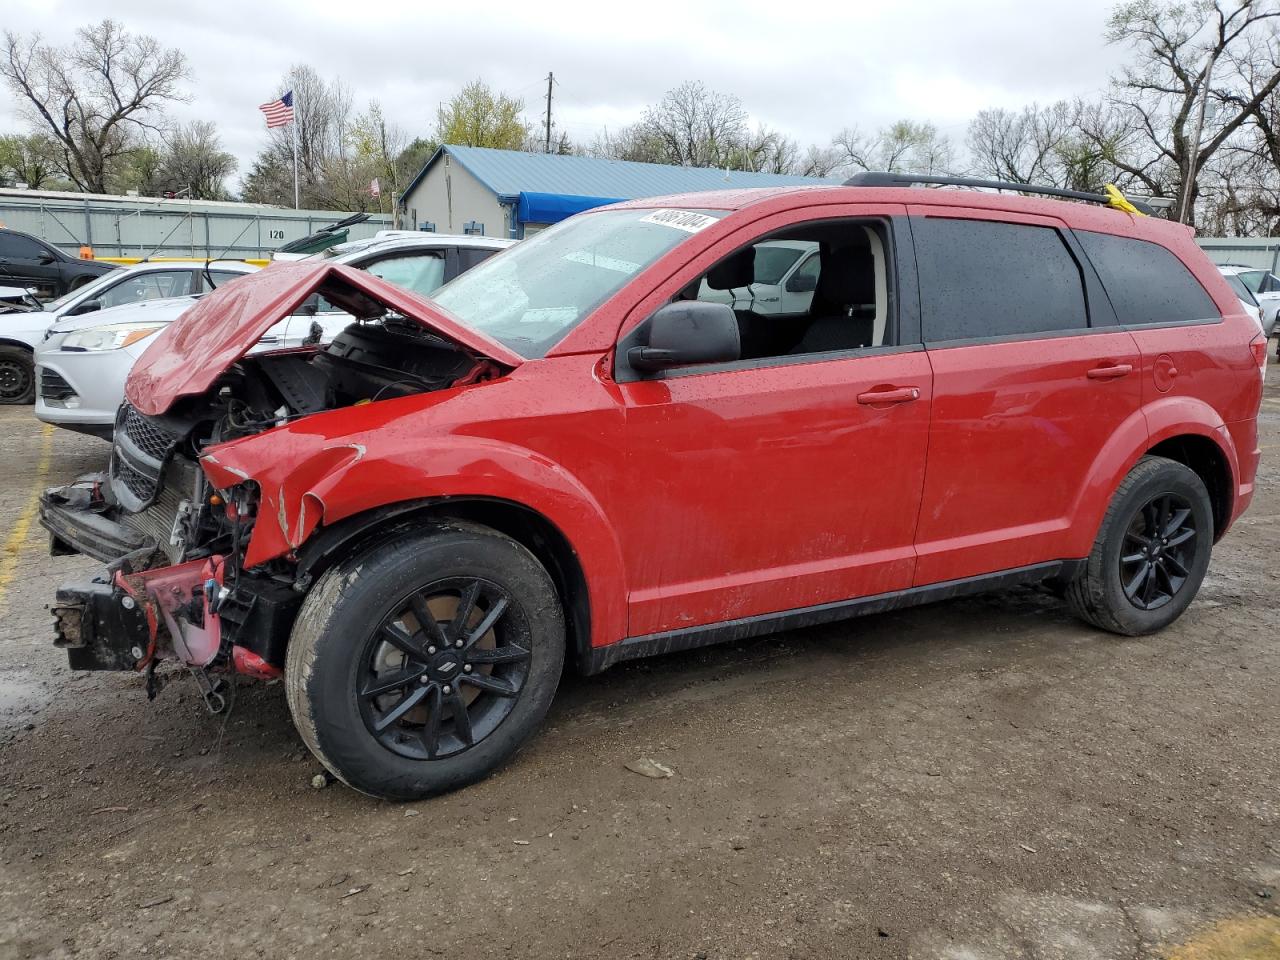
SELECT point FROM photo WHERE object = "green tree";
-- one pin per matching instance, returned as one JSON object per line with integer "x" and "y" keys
{"x": 480, "y": 117}
{"x": 33, "y": 159}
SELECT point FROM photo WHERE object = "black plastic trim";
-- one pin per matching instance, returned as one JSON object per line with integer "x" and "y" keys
{"x": 656, "y": 644}
{"x": 874, "y": 178}
{"x": 89, "y": 533}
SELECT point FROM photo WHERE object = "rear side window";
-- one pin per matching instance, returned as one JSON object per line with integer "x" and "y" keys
{"x": 1146, "y": 283}
{"x": 979, "y": 278}
{"x": 468, "y": 257}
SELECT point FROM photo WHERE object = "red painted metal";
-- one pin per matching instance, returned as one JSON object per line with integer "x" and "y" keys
{"x": 249, "y": 663}
{"x": 224, "y": 325}
{"x": 721, "y": 495}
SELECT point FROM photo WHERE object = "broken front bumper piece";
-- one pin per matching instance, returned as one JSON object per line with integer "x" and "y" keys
{"x": 125, "y": 620}
{"x": 128, "y": 621}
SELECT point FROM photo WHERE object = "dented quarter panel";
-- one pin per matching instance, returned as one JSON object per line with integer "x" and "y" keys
{"x": 556, "y": 451}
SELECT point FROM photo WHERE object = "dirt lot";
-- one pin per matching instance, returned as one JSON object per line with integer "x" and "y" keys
{"x": 977, "y": 779}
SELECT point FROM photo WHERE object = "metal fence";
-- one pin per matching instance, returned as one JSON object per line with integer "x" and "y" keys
{"x": 1263, "y": 252}
{"x": 133, "y": 227}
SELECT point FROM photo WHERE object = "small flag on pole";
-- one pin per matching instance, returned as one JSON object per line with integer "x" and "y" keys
{"x": 375, "y": 189}
{"x": 278, "y": 112}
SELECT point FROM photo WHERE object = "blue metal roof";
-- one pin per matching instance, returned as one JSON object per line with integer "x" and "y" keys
{"x": 508, "y": 173}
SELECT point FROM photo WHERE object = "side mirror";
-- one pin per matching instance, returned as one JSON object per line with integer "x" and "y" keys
{"x": 688, "y": 332}
{"x": 46, "y": 258}
{"x": 88, "y": 306}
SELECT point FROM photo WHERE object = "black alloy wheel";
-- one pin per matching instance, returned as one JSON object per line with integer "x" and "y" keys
{"x": 1151, "y": 552}
{"x": 426, "y": 660}
{"x": 1159, "y": 551}
{"x": 443, "y": 669}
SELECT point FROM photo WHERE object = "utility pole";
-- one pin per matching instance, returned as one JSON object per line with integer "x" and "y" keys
{"x": 551, "y": 78}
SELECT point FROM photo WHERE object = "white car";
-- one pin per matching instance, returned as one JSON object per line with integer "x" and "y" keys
{"x": 1248, "y": 302}
{"x": 1263, "y": 285}
{"x": 786, "y": 274}
{"x": 82, "y": 366}
{"x": 21, "y": 331}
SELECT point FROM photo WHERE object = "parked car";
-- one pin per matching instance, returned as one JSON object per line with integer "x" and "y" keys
{"x": 21, "y": 331}
{"x": 1247, "y": 301}
{"x": 83, "y": 363}
{"x": 18, "y": 300}
{"x": 46, "y": 271}
{"x": 565, "y": 456}
{"x": 785, "y": 276}
{"x": 1245, "y": 281}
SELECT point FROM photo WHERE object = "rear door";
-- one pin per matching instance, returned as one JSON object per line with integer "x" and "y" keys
{"x": 21, "y": 264}
{"x": 1031, "y": 377}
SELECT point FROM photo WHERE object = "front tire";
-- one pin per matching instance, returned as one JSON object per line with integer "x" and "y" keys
{"x": 1152, "y": 551}
{"x": 423, "y": 664}
{"x": 17, "y": 376}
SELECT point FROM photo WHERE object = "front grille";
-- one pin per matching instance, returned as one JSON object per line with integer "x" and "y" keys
{"x": 138, "y": 457}
{"x": 146, "y": 435}
{"x": 54, "y": 387}
{"x": 139, "y": 484}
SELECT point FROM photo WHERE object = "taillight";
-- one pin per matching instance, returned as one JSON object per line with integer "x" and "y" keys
{"x": 1259, "y": 347}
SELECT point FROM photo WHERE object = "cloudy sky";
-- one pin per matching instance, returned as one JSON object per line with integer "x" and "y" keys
{"x": 807, "y": 69}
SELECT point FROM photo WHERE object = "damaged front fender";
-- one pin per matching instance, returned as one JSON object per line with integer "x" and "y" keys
{"x": 291, "y": 488}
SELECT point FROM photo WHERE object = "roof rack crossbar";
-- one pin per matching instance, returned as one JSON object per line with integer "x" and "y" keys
{"x": 874, "y": 178}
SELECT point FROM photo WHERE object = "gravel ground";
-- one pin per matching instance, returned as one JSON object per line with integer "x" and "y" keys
{"x": 976, "y": 779}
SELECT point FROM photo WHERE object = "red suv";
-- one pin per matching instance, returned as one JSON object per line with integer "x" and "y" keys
{"x": 566, "y": 454}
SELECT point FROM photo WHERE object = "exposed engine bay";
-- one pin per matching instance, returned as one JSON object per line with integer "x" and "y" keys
{"x": 174, "y": 587}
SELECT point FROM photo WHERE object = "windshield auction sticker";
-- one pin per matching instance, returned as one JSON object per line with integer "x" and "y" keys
{"x": 685, "y": 220}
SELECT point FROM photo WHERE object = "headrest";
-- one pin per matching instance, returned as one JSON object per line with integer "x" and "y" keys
{"x": 848, "y": 276}
{"x": 739, "y": 270}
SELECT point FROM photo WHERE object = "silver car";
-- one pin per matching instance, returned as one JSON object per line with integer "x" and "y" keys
{"x": 83, "y": 364}
{"x": 21, "y": 331}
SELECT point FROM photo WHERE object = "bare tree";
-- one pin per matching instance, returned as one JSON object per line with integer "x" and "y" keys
{"x": 901, "y": 147}
{"x": 1187, "y": 56}
{"x": 693, "y": 126}
{"x": 94, "y": 96}
{"x": 194, "y": 159}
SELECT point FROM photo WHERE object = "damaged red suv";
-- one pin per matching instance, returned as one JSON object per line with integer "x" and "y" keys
{"x": 600, "y": 445}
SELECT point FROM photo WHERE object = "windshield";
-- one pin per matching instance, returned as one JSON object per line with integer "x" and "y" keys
{"x": 1253, "y": 279}
{"x": 1240, "y": 289}
{"x": 108, "y": 278}
{"x": 533, "y": 294}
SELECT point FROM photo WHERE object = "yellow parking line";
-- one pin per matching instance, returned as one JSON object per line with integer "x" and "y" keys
{"x": 18, "y": 535}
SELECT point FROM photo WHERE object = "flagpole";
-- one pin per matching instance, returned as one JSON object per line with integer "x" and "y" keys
{"x": 296, "y": 204}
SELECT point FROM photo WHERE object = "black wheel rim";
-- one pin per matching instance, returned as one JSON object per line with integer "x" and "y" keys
{"x": 444, "y": 668}
{"x": 1158, "y": 552}
{"x": 15, "y": 379}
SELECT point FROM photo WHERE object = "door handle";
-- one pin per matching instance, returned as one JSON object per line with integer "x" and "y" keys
{"x": 895, "y": 395}
{"x": 1112, "y": 371}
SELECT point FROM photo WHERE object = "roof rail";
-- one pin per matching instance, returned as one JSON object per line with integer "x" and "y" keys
{"x": 878, "y": 179}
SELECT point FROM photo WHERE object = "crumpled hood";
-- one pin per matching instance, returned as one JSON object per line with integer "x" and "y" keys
{"x": 197, "y": 348}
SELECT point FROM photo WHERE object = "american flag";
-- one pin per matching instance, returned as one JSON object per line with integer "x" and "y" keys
{"x": 278, "y": 112}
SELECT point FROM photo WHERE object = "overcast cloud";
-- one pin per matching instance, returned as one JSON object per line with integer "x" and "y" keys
{"x": 806, "y": 69}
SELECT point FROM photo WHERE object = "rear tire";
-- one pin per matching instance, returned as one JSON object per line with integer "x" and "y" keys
{"x": 17, "y": 376}
{"x": 423, "y": 664}
{"x": 1152, "y": 551}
